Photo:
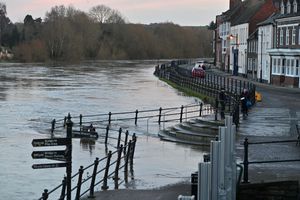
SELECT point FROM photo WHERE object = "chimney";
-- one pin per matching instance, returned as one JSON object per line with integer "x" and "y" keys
{"x": 234, "y": 3}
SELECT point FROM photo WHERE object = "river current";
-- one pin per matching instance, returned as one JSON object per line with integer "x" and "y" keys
{"x": 31, "y": 95}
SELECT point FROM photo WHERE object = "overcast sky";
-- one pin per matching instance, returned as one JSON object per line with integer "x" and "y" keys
{"x": 182, "y": 12}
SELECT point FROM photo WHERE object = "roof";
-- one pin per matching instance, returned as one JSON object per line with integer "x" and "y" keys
{"x": 270, "y": 20}
{"x": 250, "y": 8}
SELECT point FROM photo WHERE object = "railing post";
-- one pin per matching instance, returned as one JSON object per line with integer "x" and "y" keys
{"x": 119, "y": 138}
{"x": 45, "y": 194}
{"x": 53, "y": 126}
{"x": 181, "y": 113}
{"x": 63, "y": 189}
{"x": 136, "y": 117}
{"x": 106, "y": 134}
{"x": 200, "y": 111}
{"x": 69, "y": 124}
{"x": 216, "y": 112}
{"x": 109, "y": 118}
{"x": 125, "y": 142}
{"x": 159, "y": 115}
{"x": 92, "y": 186}
{"x": 120, "y": 150}
{"x": 79, "y": 183}
{"x": 246, "y": 161}
{"x": 133, "y": 149}
{"x": 80, "y": 119}
{"x": 126, "y": 161}
{"x": 104, "y": 186}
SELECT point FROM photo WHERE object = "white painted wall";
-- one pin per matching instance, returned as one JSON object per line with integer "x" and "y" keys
{"x": 265, "y": 38}
{"x": 241, "y": 34}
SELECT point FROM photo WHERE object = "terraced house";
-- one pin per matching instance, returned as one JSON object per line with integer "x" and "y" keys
{"x": 260, "y": 39}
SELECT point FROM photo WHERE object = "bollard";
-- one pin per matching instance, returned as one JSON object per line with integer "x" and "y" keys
{"x": 45, "y": 194}
{"x": 200, "y": 111}
{"x": 109, "y": 118}
{"x": 159, "y": 115}
{"x": 181, "y": 113}
{"x": 80, "y": 172}
{"x": 125, "y": 142}
{"x": 104, "y": 186}
{"x": 119, "y": 138}
{"x": 116, "y": 178}
{"x": 80, "y": 119}
{"x": 92, "y": 186}
{"x": 106, "y": 134}
{"x": 53, "y": 126}
{"x": 246, "y": 161}
{"x": 63, "y": 189}
{"x": 136, "y": 117}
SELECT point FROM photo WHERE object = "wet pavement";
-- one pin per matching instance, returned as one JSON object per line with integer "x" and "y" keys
{"x": 273, "y": 119}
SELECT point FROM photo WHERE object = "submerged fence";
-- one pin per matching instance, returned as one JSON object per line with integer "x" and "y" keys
{"x": 104, "y": 172}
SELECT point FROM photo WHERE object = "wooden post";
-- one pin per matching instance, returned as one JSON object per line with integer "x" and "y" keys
{"x": 104, "y": 186}
{"x": 63, "y": 189}
{"x": 106, "y": 134}
{"x": 92, "y": 186}
{"x": 120, "y": 150}
{"x": 136, "y": 117}
{"x": 133, "y": 149}
{"x": 119, "y": 138}
{"x": 126, "y": 161}
{"x": 79, "y": 183}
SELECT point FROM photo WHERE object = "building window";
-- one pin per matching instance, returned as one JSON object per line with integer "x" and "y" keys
{"x": 281, "y": 37}
{"x": 288, "y": 66}
{"x": 292, "y": 67}
{"x": 287, "y": 36}
{"x": 295, "y": 6}
{"x": 293, "y": 36}
{"x": 283, "y": 66}
{"x": 297, "y": 67}
{"x": 288, "y": 7}
{"x": 282, "y": 8}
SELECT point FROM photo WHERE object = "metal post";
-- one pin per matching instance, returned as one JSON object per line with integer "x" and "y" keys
{"x": 69, "y": 124}
{"x": 53, "y": 126}
{"x": 104, "y": 186}
{"x": 200, "y": 111}
{"x": 125, "y": 142}
{"x": 120, "y": 150}
{"x": 136, "y": 117}
{"x": 63, "y": 189}
{"x": 45, "y": 194}
{"x": 126, "y": 161}
{"x": 92, "y": 186}
{"x": 80, "y": 119}
{"x": 133, "y": 149}
{"x": 159, "y": 115}
{"x": 119, "y": 138}
{"x": 181, "y": 113}
{"x": 106, "y": 134}
{"x": 80, "y": 172}
{"x": 246, "y": 161}
{"x": 109, "y": 118}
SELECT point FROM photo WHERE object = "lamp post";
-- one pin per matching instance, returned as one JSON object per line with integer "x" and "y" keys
{"x": 261, "y": 60}
{"x": 235, "y": 54}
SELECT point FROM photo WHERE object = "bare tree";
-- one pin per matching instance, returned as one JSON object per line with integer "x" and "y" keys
{"x": 100, "y": 13}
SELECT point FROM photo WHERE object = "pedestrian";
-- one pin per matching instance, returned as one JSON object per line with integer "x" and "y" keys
{"x": 244, "y": 101}
{"x": 222, "y": 100}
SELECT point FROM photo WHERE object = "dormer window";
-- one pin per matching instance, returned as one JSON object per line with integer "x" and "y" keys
{"x": 288, "y": 7}
{"x": 295, "y": 6}
{"x": 282, "y": 8}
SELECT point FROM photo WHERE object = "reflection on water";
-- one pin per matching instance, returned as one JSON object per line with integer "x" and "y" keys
{"x": 32, "y": 95}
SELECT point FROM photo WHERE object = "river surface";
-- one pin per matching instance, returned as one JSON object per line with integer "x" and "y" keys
{"x": 31, "y": 95}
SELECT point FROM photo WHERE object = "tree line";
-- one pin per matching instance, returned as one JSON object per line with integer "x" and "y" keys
{"x": 69, "y": 34}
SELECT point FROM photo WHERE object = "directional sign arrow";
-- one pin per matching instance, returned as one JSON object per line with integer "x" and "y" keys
{"x": 48, "y": 165}
{"x": 54, "y": 155}
{"x": 50, "y": 142}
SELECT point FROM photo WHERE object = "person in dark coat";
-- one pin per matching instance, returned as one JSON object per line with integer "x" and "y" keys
{"x": 244, "y": 100}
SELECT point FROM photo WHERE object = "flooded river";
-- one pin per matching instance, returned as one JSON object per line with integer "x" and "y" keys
{"x": 32, "y": 95}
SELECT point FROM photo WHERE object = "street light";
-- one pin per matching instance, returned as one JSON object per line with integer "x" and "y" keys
{"x": 235, "y": 54}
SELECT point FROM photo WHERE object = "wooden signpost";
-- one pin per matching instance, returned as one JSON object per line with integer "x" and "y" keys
{"x": 59, "y": 155}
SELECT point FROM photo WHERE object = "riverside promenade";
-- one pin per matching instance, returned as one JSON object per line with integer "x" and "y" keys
{"x": 274, "y": 118}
